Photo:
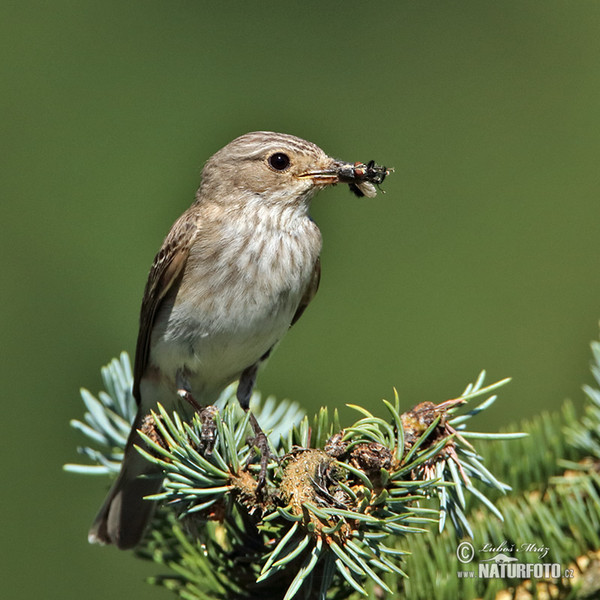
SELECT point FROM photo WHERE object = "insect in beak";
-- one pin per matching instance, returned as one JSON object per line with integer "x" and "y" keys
{"x": 361, "y": 178}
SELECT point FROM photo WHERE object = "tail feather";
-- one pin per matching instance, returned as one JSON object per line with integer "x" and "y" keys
{"x": 123, "y": 517}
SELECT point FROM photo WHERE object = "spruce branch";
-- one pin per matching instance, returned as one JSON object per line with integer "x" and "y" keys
{"x": 351, "y": 512}
{"x": 336, "y": 503}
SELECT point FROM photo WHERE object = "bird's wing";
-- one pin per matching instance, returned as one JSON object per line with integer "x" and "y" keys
{"x": 166, "y": 269}
{"x": 310, "y": 291}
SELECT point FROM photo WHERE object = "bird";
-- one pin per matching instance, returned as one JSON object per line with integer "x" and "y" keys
{"x": 235, "y": 272}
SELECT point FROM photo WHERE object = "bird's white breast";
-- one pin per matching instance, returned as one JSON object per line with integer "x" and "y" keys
{"x": 240, "y": 290}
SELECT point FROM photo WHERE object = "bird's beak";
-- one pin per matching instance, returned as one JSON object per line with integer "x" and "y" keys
{"x": 329, "y": 175}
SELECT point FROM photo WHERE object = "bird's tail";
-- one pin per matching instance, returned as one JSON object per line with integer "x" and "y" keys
{"x": 124, "y": 515}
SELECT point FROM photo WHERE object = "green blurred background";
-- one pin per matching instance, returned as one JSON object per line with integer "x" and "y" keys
{"x": 483, "y": 253}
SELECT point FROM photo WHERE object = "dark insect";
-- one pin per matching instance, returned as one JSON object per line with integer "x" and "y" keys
{"x": 371, "y": 172}
{"x": 363, "y": 178}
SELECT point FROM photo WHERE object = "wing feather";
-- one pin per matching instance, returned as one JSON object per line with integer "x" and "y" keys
{"x": 310, "y": 291}
{"x": 166, "y": 269}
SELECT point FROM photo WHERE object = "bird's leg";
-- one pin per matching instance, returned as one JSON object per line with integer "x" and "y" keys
{"x": 262, "y": 443}
{"x": 244, "y": 392}
{"x": 208, "y": 434}
{"x": 184, "y": 390}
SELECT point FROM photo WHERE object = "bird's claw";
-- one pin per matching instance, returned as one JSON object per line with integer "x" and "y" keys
{"x": 208, "y": 433}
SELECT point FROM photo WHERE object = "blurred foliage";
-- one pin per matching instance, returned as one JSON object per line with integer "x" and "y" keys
{"x": 482, "y": 251}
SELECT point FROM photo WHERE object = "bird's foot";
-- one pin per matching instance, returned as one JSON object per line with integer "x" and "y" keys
{"x": 208, "y": 433}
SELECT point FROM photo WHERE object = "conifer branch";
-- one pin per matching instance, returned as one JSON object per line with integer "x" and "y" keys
{"x": 334, "y": 504}
{"x": 377, "y": 507}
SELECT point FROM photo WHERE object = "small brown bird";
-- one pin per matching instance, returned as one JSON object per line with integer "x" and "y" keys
{"x": 237, "y": 269}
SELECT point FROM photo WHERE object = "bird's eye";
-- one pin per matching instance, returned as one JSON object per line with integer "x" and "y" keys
{"x": 279, "y": 161}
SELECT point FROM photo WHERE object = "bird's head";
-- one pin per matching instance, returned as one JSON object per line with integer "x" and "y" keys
{"x": 281, "y": 169}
